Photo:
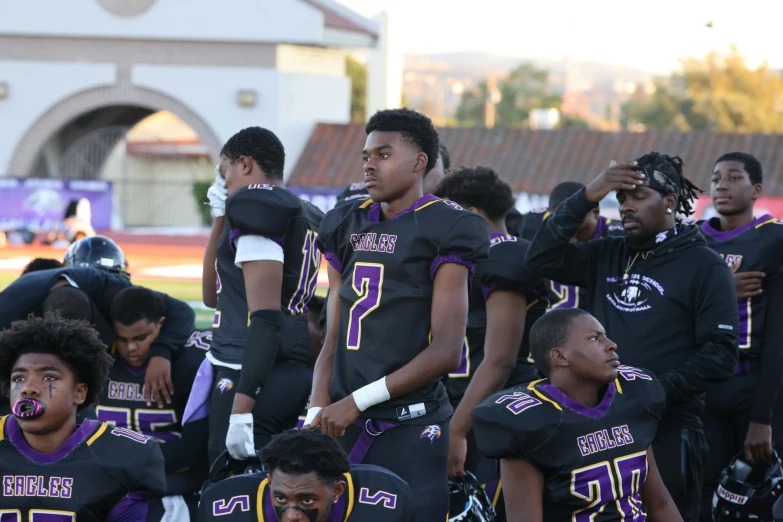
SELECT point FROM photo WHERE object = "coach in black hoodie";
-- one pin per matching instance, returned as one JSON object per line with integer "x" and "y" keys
{"x": 664, "y": 297}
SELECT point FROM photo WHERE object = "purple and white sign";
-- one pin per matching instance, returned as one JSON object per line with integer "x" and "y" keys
{"x": 40, "y": 204}
{"x": 324, "y": 198}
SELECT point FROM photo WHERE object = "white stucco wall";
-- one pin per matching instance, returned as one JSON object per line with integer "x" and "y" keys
{"x": 34, "y": 87}
{"x": 228, "y": 20}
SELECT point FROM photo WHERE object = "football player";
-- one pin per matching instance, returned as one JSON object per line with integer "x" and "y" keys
{"x": 506, "y": 300}
{"x": 138, "y": 315}
{"x": 52, "y": 467}
{"x": 398, "y": 266}
{"x": 267, "y": 260}
{"x": 60, "y": 289}
{"x": 742, "y": 412}
{"x": 594, "y": 226}
{"x": 576, "y": 445}
{"x": 309, "y": 479}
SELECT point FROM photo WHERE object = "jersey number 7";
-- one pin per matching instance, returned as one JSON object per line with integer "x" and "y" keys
{"x": 367, "y": 282}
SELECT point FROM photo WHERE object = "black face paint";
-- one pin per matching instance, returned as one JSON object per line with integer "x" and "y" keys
{"x": 311, "y": 514}
{"x": 16, "y": 389}
{"x": 50, "y": 390}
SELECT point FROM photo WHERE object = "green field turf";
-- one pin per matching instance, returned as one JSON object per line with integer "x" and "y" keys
{"x": 183, "y": 290}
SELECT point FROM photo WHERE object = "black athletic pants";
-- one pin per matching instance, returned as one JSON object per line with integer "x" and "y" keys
{"x": 680, "y": 451}
{"x": 726, "y": 420}
{"x": 277, "y": 408}
{"x": 417, "y": 454}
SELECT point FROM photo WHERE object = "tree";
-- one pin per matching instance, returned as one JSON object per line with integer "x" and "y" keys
{"x": 357, "y": 72}
{"x": 525, "y": 88}
{"x": 715, "y": 93}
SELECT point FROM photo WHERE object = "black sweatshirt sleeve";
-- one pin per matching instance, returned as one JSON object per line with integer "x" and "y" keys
{"x": 771, "y": 355}
{"x": 553, "y": 256}
{"x": 180, "y": 454}
{"x": 716, "y": 325}
{"x": 175, "y": 332}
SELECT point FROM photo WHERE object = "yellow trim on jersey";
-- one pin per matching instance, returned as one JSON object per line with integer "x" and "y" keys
{"x": 767, "y": 222}
{"x": 428, "y": 204}
{"x": 260, "y": 500}
{"x": 97, "y": 434}
{"x": 617, "y": 385}
{"x": 497, "y": 493}
{"x": 366, "y": 203}
{"x": 532, "y": 387}
{"x": 349, "y": 483}
{"x": 546, "y": 215}
{"x": 531, "y": 305}
{"x": 2, "y": 426}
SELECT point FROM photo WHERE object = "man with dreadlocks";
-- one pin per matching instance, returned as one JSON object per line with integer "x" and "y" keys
{"x": 664, "y": 296}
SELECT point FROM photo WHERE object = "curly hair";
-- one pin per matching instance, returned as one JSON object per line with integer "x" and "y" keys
{"x": 297, "y": 452}
{"x": 445, "y": 156}
{"x": 675, "y": 181}
{"x": 76, "y": 343}
{"x": 479, "y": 187}
{"x": 749, "y": 161}
{"x": 41, "y": 263}
{"x": 262, "y": 145}
{"x": 416, "y": 129}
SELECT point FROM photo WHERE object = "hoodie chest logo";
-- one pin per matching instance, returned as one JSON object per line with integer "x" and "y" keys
{"x": 633, "y": 294}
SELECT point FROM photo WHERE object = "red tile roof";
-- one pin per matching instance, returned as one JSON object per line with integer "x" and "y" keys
{"x": 536, "y": 161}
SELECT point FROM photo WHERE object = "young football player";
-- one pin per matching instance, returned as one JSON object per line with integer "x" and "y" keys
{"x": 309, "y": 480}
{"x": 138, "y": 314}
{"x": 53, "y": 468}
{"x": 399, "y": 267}
{"x": 741, "y": 413}
{"x": 506, "y": 300}
{"x": 576, "y": 445}
{"x": 263, "y": 247}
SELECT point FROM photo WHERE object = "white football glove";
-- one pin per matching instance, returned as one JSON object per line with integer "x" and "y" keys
{"x": 239, "y": 439}
{"x": 217, "y": 195}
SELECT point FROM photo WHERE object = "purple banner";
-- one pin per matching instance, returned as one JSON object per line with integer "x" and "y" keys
{"x": 322, "y": 197}
{"x": 40, "y": 204}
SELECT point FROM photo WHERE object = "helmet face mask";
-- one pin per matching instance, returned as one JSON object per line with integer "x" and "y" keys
{"x": 226, "y": 467}
{"x": 97, "y": 252}
{"x": 468, "y": 501}
{"x": 748, "y": 492}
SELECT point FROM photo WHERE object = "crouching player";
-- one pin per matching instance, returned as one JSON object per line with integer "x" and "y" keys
{"x": 53, "y": 469}
{"x": 576, "y": 446}
{"x": 309, "y": 480}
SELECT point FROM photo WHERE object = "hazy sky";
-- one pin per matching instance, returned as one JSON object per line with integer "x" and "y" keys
{"x": 648, "y": 35}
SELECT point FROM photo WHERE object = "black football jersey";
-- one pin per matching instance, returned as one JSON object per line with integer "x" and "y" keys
{"x": 759, "y": 246}
{"x": 503, "y": 271}
{"x": 279, "y": 215}
{"x": 98, "y": 471}
{"x": 594, "y": 460}
{"x": 352, "y": 192}
{"x": 562, "y": 295}
{"x": 387, "y": 270}
{"x": 373, "y": 494}
{"x": 515, "y": 222}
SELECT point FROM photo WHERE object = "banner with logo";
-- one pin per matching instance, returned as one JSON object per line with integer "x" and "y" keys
{"x": 40, "y": 204}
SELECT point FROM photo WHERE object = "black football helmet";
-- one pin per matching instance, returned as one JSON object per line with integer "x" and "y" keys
{"x": 226, "y": 466}
{"x": 748, "y": 492}
{"x": 468, "y": 502}
{"x": 97, "y": 252}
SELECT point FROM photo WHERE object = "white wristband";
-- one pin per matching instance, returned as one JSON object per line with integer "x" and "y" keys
{"x": 240, "y": 418}
{"x": 372, "y": 394}
{"x": 311, "y": 413}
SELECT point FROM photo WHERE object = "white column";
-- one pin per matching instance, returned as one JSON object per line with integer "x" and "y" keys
{"x": 384, "y": 68}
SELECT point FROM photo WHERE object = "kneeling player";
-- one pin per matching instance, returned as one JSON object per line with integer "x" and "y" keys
{"x": 137, "y": 317}
{"x": 54, "y": 469}
{"x": 309, "y": 479}
{"x": 576, "y": 446}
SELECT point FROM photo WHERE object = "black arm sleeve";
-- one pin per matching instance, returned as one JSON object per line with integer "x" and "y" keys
{"x": 261, "y": 346}
{"x": 180, "y": 454}
{"x": 551, "y": 253}
{"x": 771, "y": 355}
{"x": 175, "y": 332}
{"x": 716, "y": 323}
